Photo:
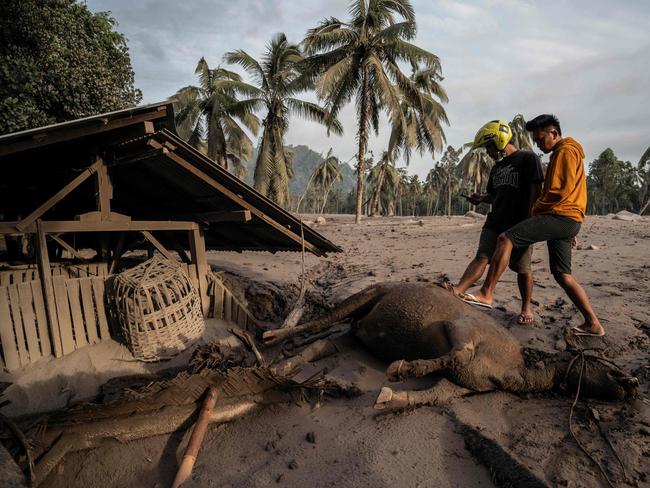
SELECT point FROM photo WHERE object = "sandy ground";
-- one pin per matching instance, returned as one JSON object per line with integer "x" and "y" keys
{"x": 353, "y": 447}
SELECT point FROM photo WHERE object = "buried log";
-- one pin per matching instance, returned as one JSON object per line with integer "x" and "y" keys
{"x": 196, "y": 439}
{"x": 71, "y": 438}
{"x": 157, "y": 410}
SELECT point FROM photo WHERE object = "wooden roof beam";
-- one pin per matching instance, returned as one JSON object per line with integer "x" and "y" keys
{"x": 57, "y": 197}
{"x": 65, "y": 226}
{"x": 156, "y": 243}
{"x": 236, "y": 198}
{"x": 221, "y": 216}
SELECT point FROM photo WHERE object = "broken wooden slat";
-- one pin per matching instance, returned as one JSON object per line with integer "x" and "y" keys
{"x": 88, "y": 309}
{"x": 241, "y": 317}
{"x": 45, "y": 274}
{"x": 14, "y": 306}
{"x": 16, "y": 276}
{"x": 218, "y": 301}
{"x": 29, "y": 320}
{"x": 63, "y": 314}
{"x": 7, "y": 336}
{"x": 41, "y": 319}
{"x": 191, "y": 272}
{"x": 76, "y": 314}
{"x": 227, "y": 306}
{"x": 98, "y": 293}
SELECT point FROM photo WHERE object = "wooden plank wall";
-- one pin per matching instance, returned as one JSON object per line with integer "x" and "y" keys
{"x": 21, "y": 274}
{"x": 24, "y": 333}
{"x": 79, "y": 293}
{"x": 224, "y": 306}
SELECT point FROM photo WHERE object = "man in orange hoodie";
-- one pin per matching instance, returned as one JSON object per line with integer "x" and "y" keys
{"x": 556, "y": 218}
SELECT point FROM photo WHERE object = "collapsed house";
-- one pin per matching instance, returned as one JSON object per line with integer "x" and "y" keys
{"x": 116, "y": 183}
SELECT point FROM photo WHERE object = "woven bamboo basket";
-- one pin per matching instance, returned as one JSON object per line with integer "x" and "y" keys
{"x": 159, "y": 309}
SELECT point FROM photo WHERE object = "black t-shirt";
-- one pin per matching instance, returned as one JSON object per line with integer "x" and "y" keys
{"x": 509, "y": 185}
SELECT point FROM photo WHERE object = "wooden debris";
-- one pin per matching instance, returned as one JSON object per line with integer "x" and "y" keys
{"x": 196, "y": 439}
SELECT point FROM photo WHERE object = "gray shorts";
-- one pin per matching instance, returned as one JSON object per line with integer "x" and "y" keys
{"x": 519, "y": 259}
{"x": 556, "y": 230}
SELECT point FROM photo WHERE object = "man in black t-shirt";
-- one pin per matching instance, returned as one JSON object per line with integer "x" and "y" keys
{"x": 514, "y": 184}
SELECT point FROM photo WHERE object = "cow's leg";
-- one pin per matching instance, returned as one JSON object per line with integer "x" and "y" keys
{"x": 462, "y": 350}
{"x": 350, "y": 307}
{"x": 443, "y": 392}
{"x": 399, "y": 370}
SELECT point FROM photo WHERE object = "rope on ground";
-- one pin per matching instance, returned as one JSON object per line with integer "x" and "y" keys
{"x": 294, "y": 316}
{"x": 575, "y": 401}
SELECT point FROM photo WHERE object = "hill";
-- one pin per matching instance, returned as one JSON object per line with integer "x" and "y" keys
{"x": 305, "y": 160}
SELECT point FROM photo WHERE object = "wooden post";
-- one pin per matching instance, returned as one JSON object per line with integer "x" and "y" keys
{"x": 199, "y": 259}
{"x": 104, "y": 194}
{"x": 45, "y": 274}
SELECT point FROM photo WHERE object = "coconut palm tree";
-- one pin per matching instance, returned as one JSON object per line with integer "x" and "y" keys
{"x": 448, "y": 178}
{"x": 474, "y": 169}
{"x": 423, "y": 117}
{"x": 422, "y": 130}
{"x": 430, "y": 190}
{"x": 520, "y": 137}
{"x": 210, "y": 116}
{"x": 327, "y": 173}
{"x": 375, "y": 181}
{"x": 279, "y": 77}
{"x": 361, "y": 59}
{"x": 644, "y": 172}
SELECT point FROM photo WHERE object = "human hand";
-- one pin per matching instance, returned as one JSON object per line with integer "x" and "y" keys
{"x": 574, "y": 242}
{"x": 475, "y": 199}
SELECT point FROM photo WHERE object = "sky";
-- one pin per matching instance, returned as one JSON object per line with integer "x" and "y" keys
{"x": 587, "y": 62}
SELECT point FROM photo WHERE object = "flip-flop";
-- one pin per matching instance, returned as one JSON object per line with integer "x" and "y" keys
{"x": 580, "y": 332}
{"x": 472, "y": 300}
{"x": 524, "y": 319}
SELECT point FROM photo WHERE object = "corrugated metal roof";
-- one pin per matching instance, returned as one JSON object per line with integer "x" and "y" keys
{"x": 155, "y": 175}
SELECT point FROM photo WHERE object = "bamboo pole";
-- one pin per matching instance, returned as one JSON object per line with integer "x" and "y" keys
{"x": 192, "y": 450}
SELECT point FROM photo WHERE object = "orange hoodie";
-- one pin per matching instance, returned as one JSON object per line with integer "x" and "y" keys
{"x": 565, "y": 184}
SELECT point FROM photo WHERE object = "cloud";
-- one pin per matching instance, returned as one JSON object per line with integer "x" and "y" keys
{"x": 584, "y": 60}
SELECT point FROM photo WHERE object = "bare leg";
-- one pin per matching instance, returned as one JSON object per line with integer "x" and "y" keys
{"x": 525, "y": 283}
{"x": 580, "y": 299}
{"x": 472, "y": 274}
{"x": 500, "y": 260}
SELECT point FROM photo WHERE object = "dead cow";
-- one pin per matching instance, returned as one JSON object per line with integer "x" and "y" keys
{"x": 422, "y": 329}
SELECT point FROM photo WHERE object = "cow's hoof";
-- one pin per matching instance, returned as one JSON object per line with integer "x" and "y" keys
{"x": 390, "y": 399}
{"x": 396, "y": 370}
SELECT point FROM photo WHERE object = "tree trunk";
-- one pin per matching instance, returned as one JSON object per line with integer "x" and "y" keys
{"x": 327, "y": 192}
{"x": 363, "y": 146}
{"x": 306, "y": 190}
{"x": 644, "y": 207}
{"x": 374, "y": 204}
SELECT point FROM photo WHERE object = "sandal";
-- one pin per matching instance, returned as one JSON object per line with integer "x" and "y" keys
{"x": 525, "y": 319}
{"x": 472, "y": 300}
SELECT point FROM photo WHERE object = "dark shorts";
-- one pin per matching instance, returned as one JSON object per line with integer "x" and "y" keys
{"x": 556, "y": 230}
{"x": 519, "y": 259}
